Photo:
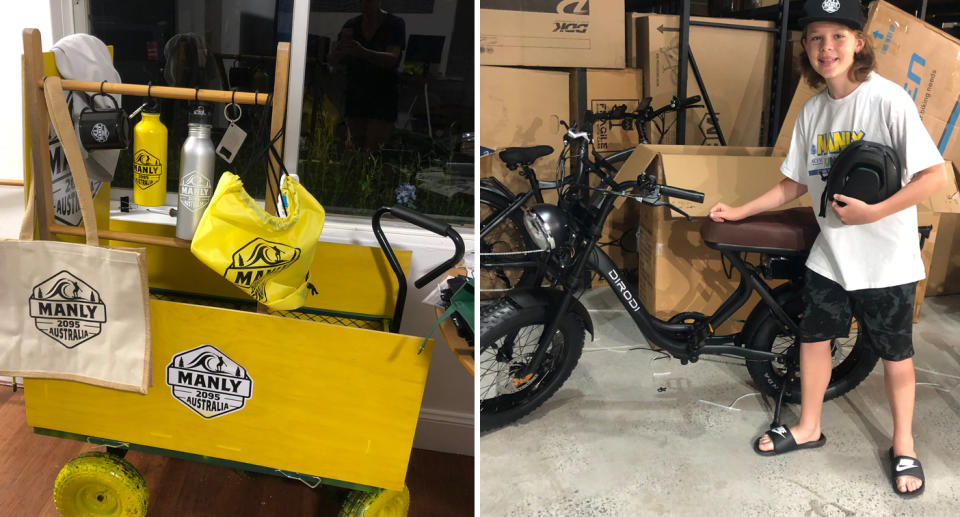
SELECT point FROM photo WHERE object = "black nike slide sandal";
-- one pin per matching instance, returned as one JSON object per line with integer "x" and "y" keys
{"x": 784, "y": 442}
{"x": 906, "y": 466}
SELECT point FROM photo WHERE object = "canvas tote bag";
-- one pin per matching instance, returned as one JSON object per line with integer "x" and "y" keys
{"x": 78, "y": 312}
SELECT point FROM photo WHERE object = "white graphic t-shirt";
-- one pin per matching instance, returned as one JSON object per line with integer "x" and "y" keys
{"x": 886, "y": 252}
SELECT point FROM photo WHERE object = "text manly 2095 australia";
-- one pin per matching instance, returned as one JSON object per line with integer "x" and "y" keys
{"x": 212, "y": 382}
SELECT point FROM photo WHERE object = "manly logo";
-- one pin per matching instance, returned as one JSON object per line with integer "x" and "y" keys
{"x": 830, "y": 6}
{"x": 581, "y": 7}
{"x": 146, "y": 169}
{"x": 257, "y": 260}
{"x": 67, "y": 309}
{"x": 99, "y": 132}
{"x": 207, "y": 381}
{"x": 195, "y": 191}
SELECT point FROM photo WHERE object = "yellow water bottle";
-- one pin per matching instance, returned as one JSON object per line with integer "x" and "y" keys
{"x": 150, "y": 159}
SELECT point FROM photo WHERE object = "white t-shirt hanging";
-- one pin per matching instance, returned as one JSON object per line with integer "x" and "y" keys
{"x": 886, "y": 252}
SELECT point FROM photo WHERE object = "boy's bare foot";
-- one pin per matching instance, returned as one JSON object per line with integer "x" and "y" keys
{"x": 906, "y": 483}
{"x": 801, "y": 436}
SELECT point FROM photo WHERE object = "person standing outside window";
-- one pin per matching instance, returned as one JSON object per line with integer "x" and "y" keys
{"x": 370, "y": 47}
{"x": 866, "y": 260}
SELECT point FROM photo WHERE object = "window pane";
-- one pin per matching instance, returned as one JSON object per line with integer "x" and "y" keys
{"x": 388, "y": 106}
{"x": 205, "y": 44}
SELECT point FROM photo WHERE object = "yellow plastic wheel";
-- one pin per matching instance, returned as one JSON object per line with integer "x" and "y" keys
{"x": 100, "y": 484}
{"x": 383, "y": 503}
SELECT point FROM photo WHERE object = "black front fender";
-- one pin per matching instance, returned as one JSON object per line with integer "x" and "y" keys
{"x": 547, "y": 297}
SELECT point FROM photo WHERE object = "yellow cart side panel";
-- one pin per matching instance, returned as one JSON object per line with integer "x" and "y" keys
{"x": 329, "y": 401}
{"x": 348, "y": 278}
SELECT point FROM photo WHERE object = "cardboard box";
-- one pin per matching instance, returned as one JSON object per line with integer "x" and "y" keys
{"x": 630, "y": 19}
{"x": 553, "y": 33}
{"x": 926, "y": 61}
{"x": 522, "y": 107}
{"x": 677, "y": 272}
{"x": 606, "y": 89}
{"x": 736, "y": 67}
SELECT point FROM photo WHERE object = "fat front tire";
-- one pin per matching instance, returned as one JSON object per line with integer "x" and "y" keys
{"x": 508, "y": 340}
{"x": 508, "y": 236}
{"x": 100, "y": 484}
{"x": 852, "y": 358}
{"x": 382, "y": 503}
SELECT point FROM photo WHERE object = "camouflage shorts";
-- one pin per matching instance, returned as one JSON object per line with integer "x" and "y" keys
{"x": 884, "y": 315}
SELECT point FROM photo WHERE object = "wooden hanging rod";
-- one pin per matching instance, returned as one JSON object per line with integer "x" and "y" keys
{"x": 167, "y": 92}
{"x": 156, "y": 240}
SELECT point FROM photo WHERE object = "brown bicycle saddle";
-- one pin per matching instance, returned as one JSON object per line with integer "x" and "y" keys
{"x": 778, "y": 231}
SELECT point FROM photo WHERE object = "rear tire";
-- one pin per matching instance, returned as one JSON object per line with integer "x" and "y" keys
{"x": 852, "y": 359}
{"x": 508, "y": 236}
{"x": 502, "y": 403}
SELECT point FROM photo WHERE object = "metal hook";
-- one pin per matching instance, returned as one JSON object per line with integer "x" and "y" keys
{"x": 149, "y": 85}
{"x": 196, "y": 95}
{"x": 101, "y": 87}
{"x": 226, "y": 109}
{"x": 255, "y": 94}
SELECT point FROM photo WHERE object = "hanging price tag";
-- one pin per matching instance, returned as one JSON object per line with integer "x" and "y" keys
{"x": 234, "y": 136}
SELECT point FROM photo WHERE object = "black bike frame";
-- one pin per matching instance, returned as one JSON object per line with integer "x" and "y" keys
{"x": 584, "y": 166}
{"x": 685, "y": 341}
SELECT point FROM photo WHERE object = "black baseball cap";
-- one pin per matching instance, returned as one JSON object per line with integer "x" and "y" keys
{"x": 847, "y": 12}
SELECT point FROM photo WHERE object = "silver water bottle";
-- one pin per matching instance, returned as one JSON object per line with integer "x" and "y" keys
{"x": 197, "y": 159}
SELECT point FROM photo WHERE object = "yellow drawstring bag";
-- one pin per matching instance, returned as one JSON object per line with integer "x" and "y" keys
{"x": 266, "y": 256}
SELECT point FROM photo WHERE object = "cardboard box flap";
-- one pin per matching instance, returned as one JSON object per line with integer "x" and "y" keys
{"x": 733, "y": 175}
{"x": 947, "y": 199}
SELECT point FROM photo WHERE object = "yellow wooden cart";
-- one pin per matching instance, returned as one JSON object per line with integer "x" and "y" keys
{"x": 325, "y": 394}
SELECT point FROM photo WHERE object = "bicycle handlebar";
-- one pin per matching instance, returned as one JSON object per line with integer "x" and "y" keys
{"x": 682, "y": 193}
{"x": 642, "y": 114}
{"x": 676, "y": 105}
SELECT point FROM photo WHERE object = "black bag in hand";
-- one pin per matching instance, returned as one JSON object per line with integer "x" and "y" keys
{"x": 867, "y": 171}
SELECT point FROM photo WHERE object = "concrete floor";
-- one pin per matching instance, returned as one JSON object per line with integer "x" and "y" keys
{"x": 613, "y": 441}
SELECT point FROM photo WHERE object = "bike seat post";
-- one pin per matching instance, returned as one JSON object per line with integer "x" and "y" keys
{"x": 527, "y": 172}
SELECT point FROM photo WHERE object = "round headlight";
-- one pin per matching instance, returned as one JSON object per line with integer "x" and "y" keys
{"x": 546, "y": 225}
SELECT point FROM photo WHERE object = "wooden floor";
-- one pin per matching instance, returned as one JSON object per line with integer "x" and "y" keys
{"x": 440, "y": 484}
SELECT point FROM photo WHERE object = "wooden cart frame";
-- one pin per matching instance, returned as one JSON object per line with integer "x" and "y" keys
{"x": 334, "y": 400}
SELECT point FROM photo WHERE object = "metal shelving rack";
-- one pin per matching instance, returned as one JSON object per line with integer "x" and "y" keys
{"x": 685, "y": 57}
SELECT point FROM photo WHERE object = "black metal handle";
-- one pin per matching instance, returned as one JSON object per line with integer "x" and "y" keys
{"x": 427, "y": 223}
{"x": 416, "y": 218}
{"x": 682, "y": 193}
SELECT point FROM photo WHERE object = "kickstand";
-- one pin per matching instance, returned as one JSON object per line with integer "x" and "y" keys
{"x": 787, "y": 379}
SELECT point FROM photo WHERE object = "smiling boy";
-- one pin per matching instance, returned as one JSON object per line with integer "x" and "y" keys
{"x": 866, "y": 261}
